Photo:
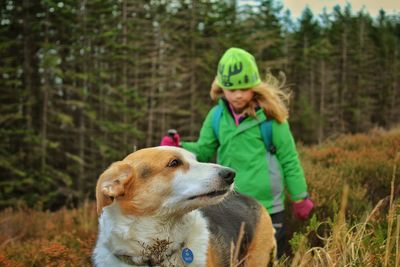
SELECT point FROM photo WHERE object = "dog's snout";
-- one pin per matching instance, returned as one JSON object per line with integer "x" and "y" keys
{"x": 227, "y": 175}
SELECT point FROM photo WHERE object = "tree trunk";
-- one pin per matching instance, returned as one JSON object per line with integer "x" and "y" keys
{"x": 28, "y": 64}
{"x": 322, "y": 102}
{"x": 312, "y": 84}
{"x": 43, "y": 131}
{"x": 394, "y": 106}
{"x": 359, "y": 86}
{"x": 28, "y": 75}
{"x": 150, "y": 105}
{"x": 153, "y": 86}
{"x": 45, "y": 99}
{"x": 343, "y": 81}
{"x": 124, "y": 73}
{"x": 82, "y": 121}
{"x": 163, "y": 66}
{"x": 193, "y": 95}
{"x": 135, "y": 86}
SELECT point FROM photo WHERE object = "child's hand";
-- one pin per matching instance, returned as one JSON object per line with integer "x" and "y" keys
{"x": 172, "y": 139}
{"x": 302, "y": 208}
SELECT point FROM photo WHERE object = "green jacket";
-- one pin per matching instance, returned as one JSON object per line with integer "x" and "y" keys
{"x": 258, "y": 173}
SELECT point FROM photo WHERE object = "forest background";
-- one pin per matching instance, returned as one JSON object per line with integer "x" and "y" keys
{"x": 83, "y": 83}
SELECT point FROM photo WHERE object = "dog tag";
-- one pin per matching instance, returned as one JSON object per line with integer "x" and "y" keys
{"x": 187, "y": 255}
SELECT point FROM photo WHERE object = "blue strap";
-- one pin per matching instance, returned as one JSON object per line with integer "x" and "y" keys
{"x": 215, "y": 120}
{"x": 266, "y": 134}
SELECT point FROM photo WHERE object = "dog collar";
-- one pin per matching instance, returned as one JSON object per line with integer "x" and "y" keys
{"x": 186, "y": 256}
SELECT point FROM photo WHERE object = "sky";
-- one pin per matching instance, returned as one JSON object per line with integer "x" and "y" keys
{"x": 296, "y": 7}
{"x": 372, "y": 6}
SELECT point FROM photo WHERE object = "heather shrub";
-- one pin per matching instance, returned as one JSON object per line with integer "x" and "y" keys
{"x": 353, "y": 181}
{"x": 39, "y": 238}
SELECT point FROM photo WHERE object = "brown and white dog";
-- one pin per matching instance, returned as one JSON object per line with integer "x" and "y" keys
{"x": 161, "y": 207}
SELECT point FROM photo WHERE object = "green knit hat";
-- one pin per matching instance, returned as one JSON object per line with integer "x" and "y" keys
{"x": 237, "y": 69}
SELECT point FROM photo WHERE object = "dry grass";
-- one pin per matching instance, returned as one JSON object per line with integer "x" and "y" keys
{"x": 356, "y": 245}
{"x": 36, "y": 238}
{"x": 235, "y": 260}
{"x": 354, "y": 182}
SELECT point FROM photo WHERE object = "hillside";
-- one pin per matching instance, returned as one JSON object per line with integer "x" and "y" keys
{"x": 353, "y": 180}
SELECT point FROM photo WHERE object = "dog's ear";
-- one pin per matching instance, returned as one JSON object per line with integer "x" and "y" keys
{"x": 111, "y": 183}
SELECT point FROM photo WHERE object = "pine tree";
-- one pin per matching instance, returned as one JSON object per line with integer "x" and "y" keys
{"x": 83, "y": 83}
{"x": 302, "y": 73}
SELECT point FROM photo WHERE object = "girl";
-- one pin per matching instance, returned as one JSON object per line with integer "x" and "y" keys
{"x": 245, "y": 102}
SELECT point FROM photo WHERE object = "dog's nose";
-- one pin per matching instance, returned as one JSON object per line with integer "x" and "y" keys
{"x": 227, "y": 174}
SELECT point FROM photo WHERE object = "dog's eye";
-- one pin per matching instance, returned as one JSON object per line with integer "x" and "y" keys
{"x": 174, "y": 163}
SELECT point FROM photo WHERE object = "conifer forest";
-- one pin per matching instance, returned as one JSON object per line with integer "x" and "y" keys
{"x": 84, "y": 83}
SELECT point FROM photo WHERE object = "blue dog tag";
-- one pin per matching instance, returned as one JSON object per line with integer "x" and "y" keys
{"x": 187, "y": 255}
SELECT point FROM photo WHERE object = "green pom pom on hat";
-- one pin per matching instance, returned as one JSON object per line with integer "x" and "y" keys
{"x": 237, "y": 69}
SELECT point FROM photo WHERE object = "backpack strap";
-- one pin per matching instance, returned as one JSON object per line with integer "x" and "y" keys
{"x": 265, "y": 127}
{"x": 215, "y": 120}
{"x": 266, "y": 134}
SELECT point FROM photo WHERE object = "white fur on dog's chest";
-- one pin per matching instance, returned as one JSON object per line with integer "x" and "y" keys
{"x": 136, "y": 236}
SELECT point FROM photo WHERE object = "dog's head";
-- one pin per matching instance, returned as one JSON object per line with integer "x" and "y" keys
{"x": 162, "y": 180}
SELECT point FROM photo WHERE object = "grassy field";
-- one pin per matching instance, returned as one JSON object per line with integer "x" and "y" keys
{"x": 353, "y": 180}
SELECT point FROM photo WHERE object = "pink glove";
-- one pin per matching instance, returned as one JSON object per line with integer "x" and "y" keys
{"x": 172, "y": 139}
{"x": 303, "y": 208}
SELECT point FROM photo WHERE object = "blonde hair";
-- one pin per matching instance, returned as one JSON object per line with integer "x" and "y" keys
{"x": 270, "y": 95}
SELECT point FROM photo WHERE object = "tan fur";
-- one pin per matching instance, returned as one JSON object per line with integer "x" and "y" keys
{"x": 212, "y": 258}
{"x": 111, "y": 183}
{"x": 263, "y": 242}
{"x": 142, "y": 182}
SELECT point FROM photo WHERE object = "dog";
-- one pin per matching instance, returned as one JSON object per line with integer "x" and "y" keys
{"x": 161, "y": 207}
